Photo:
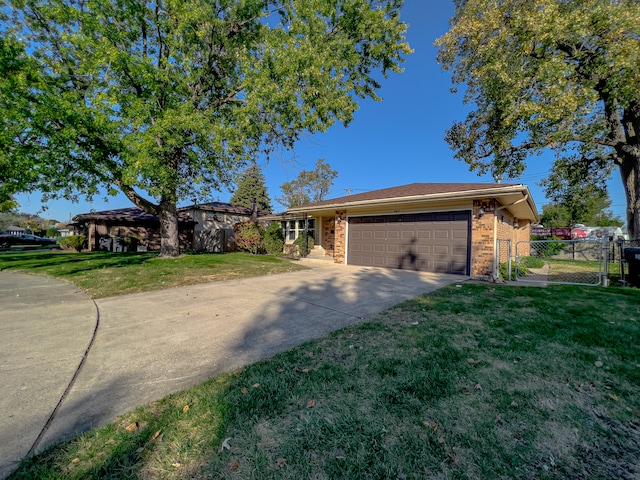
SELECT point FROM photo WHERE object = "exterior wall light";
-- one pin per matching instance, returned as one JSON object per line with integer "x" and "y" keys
{"x": 339, "y": 219}
{"x": 480, "y": 212}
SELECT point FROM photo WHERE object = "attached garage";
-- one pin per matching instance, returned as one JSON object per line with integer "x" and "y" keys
{"x": 428, "y": 242}
{"x": 428, "y": 227}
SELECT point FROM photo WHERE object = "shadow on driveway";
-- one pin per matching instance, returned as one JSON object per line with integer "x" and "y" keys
{"x": 152, "y": 344}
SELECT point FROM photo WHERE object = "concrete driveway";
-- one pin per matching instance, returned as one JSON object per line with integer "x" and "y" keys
{"x": 152, "y": 344}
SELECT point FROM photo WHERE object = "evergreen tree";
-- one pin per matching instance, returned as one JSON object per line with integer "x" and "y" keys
{"x": 252, "y": 185}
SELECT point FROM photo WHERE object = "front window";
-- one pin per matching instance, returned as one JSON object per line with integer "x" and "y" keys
{"x": 294, "y": 228}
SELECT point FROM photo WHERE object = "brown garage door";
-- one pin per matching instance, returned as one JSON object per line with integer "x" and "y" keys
{"x": 428, "y": 242}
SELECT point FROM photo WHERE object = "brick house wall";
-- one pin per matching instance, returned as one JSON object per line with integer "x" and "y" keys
{"x": 482, "y": 237}
{"x": 497, "y": 224}
{"x": 340, "y": 244}
{"x": 328, "y": 235}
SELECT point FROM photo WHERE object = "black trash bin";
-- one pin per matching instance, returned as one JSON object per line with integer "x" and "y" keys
{"x": 632, "y": 256}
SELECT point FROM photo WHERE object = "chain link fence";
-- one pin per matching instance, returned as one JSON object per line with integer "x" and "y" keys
{"x": 576, "y": 262}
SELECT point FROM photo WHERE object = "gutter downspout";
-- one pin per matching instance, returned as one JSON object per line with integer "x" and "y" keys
{"x": 496, "y": 259}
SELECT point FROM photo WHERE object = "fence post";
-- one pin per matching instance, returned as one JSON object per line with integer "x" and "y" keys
{"x": 605, "y": 278}
{"x": 509, "y": 259}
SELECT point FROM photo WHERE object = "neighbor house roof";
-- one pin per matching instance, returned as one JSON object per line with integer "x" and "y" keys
{"x": 221, "y": 207}
{"x": 516, "y": 196}
{"x": 128, "y": 215}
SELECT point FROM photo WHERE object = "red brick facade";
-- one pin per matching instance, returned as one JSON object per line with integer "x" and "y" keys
{"x": 340, "y": 246}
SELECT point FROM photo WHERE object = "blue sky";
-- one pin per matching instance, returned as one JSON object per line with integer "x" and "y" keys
{"x": 394, "y": 142}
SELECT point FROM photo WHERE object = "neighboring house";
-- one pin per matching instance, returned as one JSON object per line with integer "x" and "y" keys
{"x": 206, "y": 227}
{"x": 213, "y": 230}
{"x": 13, "y": 230}
{"x": 101, "y": 228}
{"x": 431, "y": 227}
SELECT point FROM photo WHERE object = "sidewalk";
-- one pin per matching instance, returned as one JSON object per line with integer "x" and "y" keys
{"x": 45, "y": 328}
{"x": 152, "y": 344}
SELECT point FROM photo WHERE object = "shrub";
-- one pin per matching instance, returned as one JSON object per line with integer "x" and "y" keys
{"x": 274, "y": 239}
{"x": 132, "y": 242}
{"x": 51, "y": 232}
{"x": 531, "y": 262}
{"x": 75, "y": 242}
{"x": 549, "y": 248}
{"x": 249, "y": 236}
{"x": 521, "y": 270}
{"x": 300, "y": 243}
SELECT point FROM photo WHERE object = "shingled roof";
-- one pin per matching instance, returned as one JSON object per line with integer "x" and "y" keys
{"x": 507, "y": 193}
{"x": 131, "y": 214}
{"x": 410, "y": 190}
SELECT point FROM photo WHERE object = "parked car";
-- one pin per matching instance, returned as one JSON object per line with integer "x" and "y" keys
{"x": 6, "y": 240}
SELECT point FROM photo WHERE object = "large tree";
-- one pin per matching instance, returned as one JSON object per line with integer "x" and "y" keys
{"x": 308, "y": 186}
{"x": 251, "y": 187}
{"x": 549, "y": 74}
{"x": 163, "y": 99}
{"x": 585, "y": 204}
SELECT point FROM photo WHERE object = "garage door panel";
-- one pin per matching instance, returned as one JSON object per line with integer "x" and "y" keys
{"x": 432, "y": 242}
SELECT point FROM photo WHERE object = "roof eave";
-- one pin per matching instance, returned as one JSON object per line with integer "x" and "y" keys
{"x": 460, "y": 195}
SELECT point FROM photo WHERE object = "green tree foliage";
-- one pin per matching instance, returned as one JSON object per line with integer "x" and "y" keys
{"x": 587, "y": 205}
{"x": 251, "y": 186}
{"x": 164, "y": 100}
{"x": 557, "y": 74}
{"x": 274, "y": 239}
{"x": 309, "y": 186}
{"x": 9, "y": 205}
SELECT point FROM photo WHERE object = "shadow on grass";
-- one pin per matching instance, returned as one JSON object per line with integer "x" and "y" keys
{"x": 66, "y": 263}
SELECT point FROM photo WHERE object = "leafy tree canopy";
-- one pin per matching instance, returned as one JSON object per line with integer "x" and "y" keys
{"x": 558, "y": 74}
{"x": 588, "y": 205}
{"x": 164, "y": 100}
{"x": 251, "y": 187}
{"x": 309, "y": 186}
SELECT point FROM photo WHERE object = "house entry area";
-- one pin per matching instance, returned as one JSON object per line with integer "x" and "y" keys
{"x": 426, "y": 242}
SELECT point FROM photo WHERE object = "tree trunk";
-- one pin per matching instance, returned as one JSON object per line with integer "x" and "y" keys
{"x": 630, "y": 173}
{"x": 169, "y": 238}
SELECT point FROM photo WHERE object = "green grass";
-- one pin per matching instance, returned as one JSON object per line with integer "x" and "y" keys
{"x": 477, "y": 381}
{"x": 104, "y": 274}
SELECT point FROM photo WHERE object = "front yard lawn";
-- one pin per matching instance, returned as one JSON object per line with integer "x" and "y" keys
{"x": 105, "y": 274}
{"x": 469, "y": 382}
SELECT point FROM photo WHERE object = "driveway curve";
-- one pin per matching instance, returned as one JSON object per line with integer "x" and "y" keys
{"x": 46, "y": 326}
{"x": 152, "y": 344}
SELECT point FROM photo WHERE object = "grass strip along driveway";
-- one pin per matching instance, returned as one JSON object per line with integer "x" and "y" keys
{"x": 472, "y": 381}
{"x": 104, "y": 274}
